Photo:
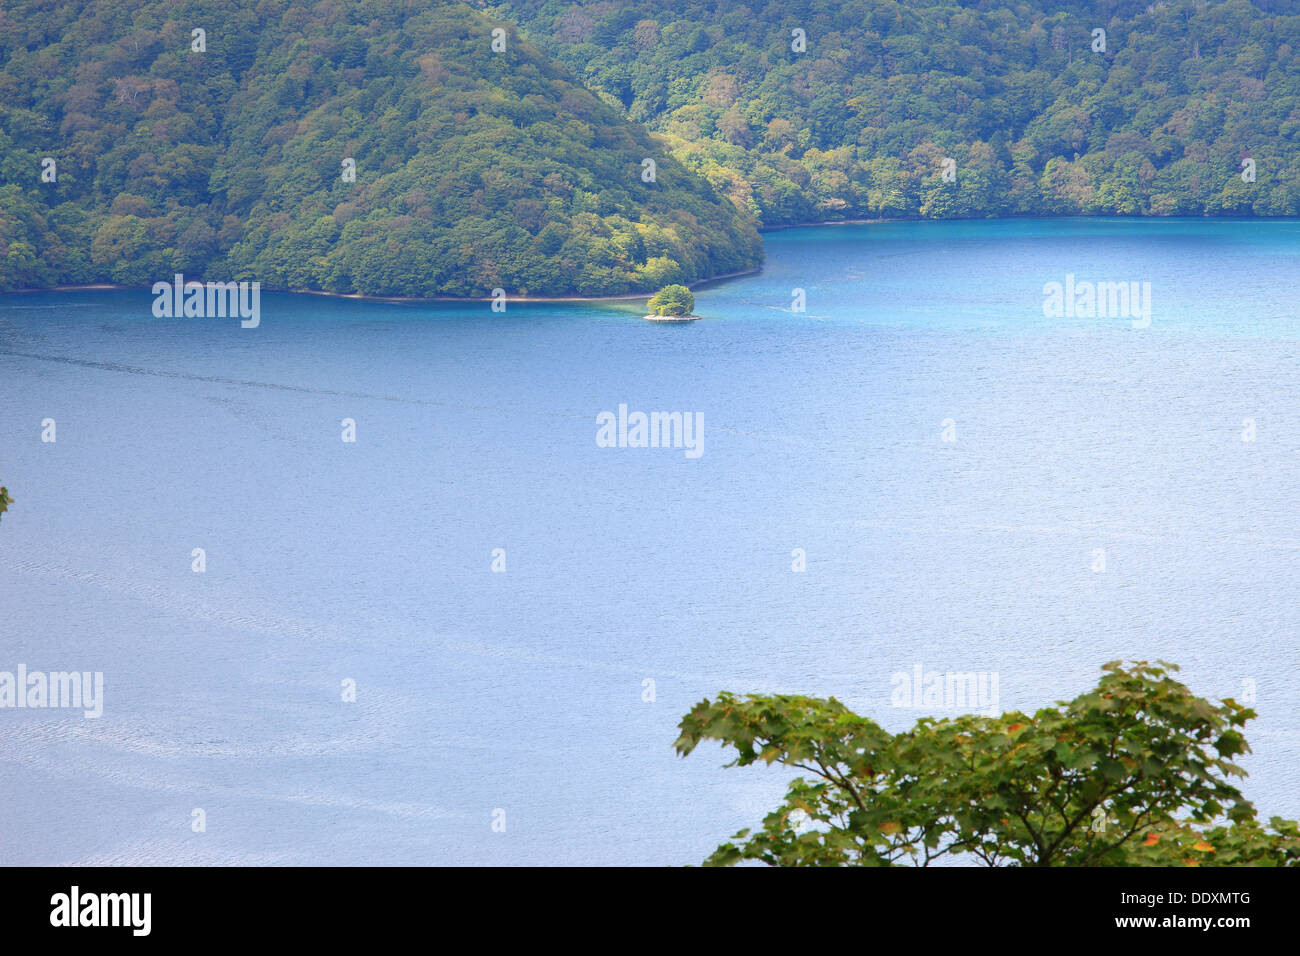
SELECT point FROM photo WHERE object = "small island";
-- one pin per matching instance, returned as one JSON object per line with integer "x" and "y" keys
{"x": 672, "y": 303}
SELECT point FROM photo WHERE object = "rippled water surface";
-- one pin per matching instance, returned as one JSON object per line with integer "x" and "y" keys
{"x": 823, "y": 431}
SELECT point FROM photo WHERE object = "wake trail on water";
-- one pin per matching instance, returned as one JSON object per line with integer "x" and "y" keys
{"x": 246, "y": 383}
{"x": 176, "y": 604}
{"x": 280, "y": 626}
{"x": 335, "y": 393}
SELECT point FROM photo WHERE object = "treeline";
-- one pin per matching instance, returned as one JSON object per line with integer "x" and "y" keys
{"x": 524, "y": 169}
{"x": 471, "y": 169}
{"x": 860, "y": 122}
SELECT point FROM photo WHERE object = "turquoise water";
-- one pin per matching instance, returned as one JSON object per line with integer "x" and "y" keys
{"x": 823, "y": 430}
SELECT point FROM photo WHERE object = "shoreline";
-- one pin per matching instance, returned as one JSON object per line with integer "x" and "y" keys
{"x": 838, "y": 222}
{"x": 633, "y": 296}
{"x": 519, "y": 299}
{"x": 878, "y": 221}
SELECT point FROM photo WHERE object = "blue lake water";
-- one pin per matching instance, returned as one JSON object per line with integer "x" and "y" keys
{"x": 823, "y": 430}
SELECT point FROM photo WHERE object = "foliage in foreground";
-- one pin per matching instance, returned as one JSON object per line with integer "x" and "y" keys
{"x": 672, "y": 300}
{"x": 5, "y": 500}
{"x": 1135, "y": 772}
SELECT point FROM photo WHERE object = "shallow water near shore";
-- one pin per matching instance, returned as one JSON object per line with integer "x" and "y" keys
{"x": 823, "y": 430}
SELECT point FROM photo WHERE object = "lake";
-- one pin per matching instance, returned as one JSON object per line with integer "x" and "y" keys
{"x": 970, "y": 483}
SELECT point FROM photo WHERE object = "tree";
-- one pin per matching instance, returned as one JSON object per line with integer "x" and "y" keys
{"x": 738, "y": 102}
{"x": 672, "y": 300}
{"x": 5, "y": 500}
{"x": 386, "y": 157}
{"x": 1134, "y": 772}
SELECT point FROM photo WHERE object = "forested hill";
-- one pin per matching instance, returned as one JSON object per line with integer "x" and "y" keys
{"x": 859, "y": 123}
{"x": 523, "y": 169}
{"x": 474, "y": 169}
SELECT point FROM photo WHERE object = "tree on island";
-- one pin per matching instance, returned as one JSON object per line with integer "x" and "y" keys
{"x": 672, "y": 300}
{"x": 1133, "y": 773}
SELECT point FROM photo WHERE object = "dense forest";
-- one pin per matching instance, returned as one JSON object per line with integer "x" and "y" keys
{"x": 386, "y": 148}
{"x": 859, "y": 123}
{"x": 472, "y": 169}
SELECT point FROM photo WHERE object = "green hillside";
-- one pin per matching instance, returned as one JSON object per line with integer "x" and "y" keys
{"x": 474, "y": 169}
{"x": 522, "y": 169}
{"x": 859, "y": 123}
